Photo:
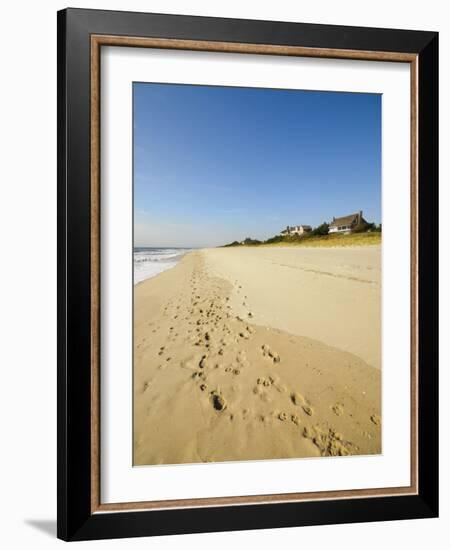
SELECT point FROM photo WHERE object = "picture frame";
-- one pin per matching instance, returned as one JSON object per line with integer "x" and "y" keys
{"x": 81, "y": 36}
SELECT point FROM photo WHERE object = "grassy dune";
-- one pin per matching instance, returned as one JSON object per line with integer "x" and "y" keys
{"x": 352, "y": 239}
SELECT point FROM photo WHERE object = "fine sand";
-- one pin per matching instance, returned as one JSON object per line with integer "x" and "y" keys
{"x": 245, "y": 353}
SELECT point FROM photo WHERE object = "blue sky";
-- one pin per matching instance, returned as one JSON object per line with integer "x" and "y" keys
{"x": 218, "y": 164}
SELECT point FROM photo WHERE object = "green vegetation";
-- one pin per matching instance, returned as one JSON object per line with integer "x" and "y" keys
{"x": 246, "y": 242}
{"x": 335, "y": 239}
{"x": 368, "y": 227}
{"x": 249, "y": 242}
{"x": 370, "y": 234}
{"x": 320, "y": 231}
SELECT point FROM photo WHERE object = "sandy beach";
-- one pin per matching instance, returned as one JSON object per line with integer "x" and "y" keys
{"x": 259, "y": 353}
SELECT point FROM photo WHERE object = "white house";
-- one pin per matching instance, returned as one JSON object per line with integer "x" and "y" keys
{"x": 296, "y": 230}
{"x": 346, "y": 224}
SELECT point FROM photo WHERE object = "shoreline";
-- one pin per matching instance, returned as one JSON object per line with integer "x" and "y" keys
{"x": 213, "y": 384}
{"x": 151, "y": 261}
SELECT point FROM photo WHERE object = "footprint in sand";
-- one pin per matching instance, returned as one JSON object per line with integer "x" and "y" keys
{"x": 329, "y": 442}
{"x": 267, "y": 352}
{"x": 338, "y": 409}
{"x": 275, "y": 381}
{"x": 300, "y": 401}
{"x": 282, "y": 416}
{"x": 218, "y": 401}
{"x": 241, "y": 358}
{"x": 275, "y": 357}
{"x": 375, "y": 418}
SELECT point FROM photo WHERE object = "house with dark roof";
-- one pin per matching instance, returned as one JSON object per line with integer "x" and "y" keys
{"x": 296, "y": 230}
{"x": 347, "y": 224}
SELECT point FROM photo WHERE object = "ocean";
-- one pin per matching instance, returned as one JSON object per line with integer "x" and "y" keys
{"x": 149, "y": 261}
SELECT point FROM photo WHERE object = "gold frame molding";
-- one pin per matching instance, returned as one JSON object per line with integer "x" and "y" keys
{"x": 97, "y": 41}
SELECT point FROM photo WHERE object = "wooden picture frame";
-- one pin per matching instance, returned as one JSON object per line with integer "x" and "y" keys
{"x": 81, "y": 35}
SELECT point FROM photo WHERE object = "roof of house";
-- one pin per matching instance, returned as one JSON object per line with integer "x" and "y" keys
{"x": 345, "y": 220}
{"x": 294, "y": 227}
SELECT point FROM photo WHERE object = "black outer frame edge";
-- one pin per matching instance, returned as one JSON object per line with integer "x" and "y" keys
{"x": 73, "y": 380}
{"x": 75, "y": 521}
{"x": 252, "y": 31}
{"x": 61, "y": 278}
{"x": 251, "y": 517}
{"x": 428, "y": 168}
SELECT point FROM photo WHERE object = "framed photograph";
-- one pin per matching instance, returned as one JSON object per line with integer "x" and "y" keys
{"x": 247, "y": 255}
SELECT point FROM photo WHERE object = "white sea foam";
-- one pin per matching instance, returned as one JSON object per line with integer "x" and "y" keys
{"x": 148, "y": 262}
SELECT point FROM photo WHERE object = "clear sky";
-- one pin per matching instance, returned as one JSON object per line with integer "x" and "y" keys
{"x": 218, "y": 164}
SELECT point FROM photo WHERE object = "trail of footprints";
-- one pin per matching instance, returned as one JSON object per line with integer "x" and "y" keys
{"x": 210, "y": 334}
{"x": 214, "y": 332}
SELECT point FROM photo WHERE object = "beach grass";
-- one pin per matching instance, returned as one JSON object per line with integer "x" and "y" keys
{"x": 330, "y": 240}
